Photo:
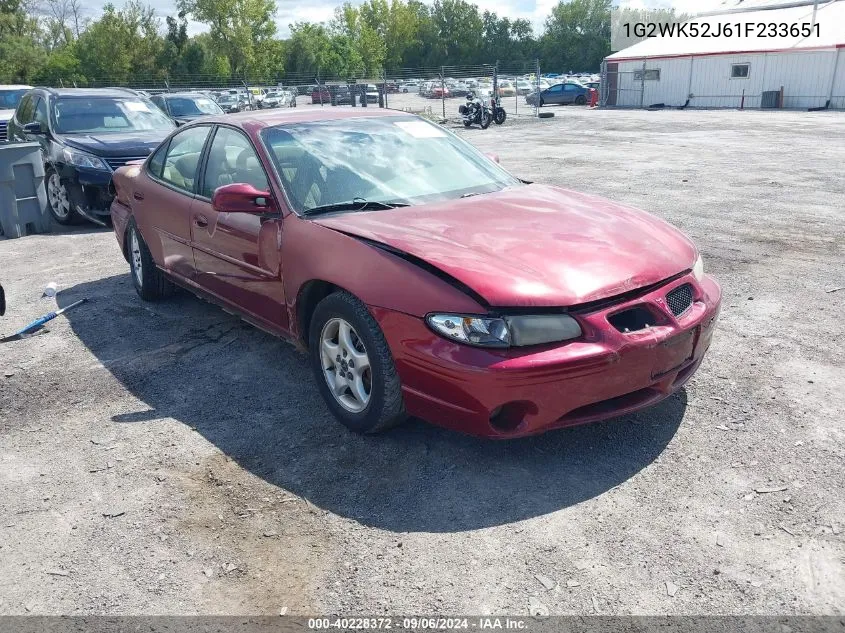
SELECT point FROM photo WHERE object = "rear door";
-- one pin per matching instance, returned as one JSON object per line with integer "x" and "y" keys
{"x": 238, "y": 255}
{"x": 554, "y": 94}
{"x": 164, "y": 197}
{"x": 570, "y": 93}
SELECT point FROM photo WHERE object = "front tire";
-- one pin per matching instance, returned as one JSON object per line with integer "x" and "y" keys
{"x": 486, "y": 120}
{"x": 501, "y": 115}
{"x": 150, "y": 283}
{"x": 58, "y": 200}
{"x": 580, "y": 100}
{"x": 353, "y": 366}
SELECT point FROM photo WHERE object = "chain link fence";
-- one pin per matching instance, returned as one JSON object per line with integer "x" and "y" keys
{"x": 436, "y": 91}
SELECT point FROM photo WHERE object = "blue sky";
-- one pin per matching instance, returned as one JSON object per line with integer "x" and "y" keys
{"x": 535, "y": 11}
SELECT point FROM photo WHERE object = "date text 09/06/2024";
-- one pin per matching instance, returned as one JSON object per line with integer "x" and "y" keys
{"x": 418, "y": 623}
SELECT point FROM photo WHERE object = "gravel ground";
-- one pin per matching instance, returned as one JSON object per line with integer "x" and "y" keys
{"x": 169, "y": 459}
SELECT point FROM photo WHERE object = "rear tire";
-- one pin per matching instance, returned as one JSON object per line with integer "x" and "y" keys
{"x": 150, "y": 283}
{"x": 366, "y": 398}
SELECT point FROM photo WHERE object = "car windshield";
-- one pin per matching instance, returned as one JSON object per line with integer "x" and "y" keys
{"x": 193, "y": 106}
{"x": 9, "y": 99}
{"x": 77, "y": 115}
{"x": 396, "y": 159}
{"x": 227, "y": 99}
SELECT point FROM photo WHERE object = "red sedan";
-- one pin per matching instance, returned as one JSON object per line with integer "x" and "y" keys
{"x": 422, "y": 278}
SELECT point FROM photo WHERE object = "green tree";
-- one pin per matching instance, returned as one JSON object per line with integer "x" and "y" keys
{"x": 577, "y": 35}
{"x": 123, "y": 46}
{"x": 21, "y": 54}
{"x": 238, "y": 28}
{"x": 460, "y": 33}
{"x": 61, "y": 68}
{"x": 364, "y": 30}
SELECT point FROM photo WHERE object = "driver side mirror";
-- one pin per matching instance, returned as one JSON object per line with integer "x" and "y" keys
{"x": 241, "y": 197}
{"x": 34, "y": 127}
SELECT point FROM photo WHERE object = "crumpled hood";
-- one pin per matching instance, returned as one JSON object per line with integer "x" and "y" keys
{"x": 532, "y": 246}
{"x": 114, "y": 144}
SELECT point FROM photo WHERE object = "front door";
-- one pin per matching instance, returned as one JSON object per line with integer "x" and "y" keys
{"x": 238, "y": 255}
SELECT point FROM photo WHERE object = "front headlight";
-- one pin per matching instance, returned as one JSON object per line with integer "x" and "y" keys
{"x": 698, "y": 269}
{"x": 83, "y": 159}
{"x": 509, "y": 331}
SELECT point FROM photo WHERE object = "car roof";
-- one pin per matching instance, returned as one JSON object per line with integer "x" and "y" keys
{"x": 258, "y": 119}
{"x": 90, "y": 92}
{"x": 14, "y": 87}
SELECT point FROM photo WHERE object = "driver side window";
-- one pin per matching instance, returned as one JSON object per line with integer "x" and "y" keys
{"x": 232, "y": 159}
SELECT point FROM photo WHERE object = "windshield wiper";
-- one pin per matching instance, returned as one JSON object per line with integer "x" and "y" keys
{"x": 358, "y": 204}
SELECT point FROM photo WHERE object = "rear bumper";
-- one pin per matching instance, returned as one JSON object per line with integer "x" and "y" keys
{"x": 604, "y": 374}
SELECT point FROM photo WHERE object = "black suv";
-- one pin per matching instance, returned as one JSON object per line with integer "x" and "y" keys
{"x": 85, "y": 134}
{"x": 186, "y": 106}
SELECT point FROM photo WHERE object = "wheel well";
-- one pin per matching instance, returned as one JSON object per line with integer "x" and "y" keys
{"x": 310, "y": 294}
{"x": 126, "y": 242}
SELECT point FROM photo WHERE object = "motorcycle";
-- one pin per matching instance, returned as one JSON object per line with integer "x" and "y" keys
{"x": 475, "y": 111}
{"x": 499, "y": 114}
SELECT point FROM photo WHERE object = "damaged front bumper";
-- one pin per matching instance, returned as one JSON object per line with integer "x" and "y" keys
{"x": 88, "y": 191}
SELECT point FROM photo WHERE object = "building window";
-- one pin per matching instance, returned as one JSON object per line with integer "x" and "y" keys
{"x": 740, "y": 71}
{"x": 650, "y": 75}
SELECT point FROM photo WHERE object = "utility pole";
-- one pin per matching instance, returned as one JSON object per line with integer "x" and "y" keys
{"x": 443, "y": 89}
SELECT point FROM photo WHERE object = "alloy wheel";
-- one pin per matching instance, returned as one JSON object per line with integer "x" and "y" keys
{"x": 346, "y": 365}
{"x": 57, "y": 196}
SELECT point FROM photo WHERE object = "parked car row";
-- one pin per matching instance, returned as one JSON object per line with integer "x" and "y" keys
{"x": 342, "y": 94}
{"x": 506, "y": 87}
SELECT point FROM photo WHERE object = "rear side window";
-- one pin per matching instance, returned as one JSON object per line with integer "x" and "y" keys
{"x": 157, "y": 161}
{"x": 183, "y": 156}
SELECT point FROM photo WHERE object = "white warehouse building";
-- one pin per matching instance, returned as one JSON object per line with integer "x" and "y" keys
{"x": 733, "y": 72}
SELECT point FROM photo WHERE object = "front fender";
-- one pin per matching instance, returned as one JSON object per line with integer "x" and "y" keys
{"x": 377, "y": 277}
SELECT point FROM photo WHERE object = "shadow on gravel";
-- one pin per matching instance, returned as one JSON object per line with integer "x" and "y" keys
{"x": 253, "y": 397}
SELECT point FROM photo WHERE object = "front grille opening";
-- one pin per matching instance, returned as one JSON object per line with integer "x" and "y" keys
{"x": 680, "y": 299}
{"x": 632, "y": 320}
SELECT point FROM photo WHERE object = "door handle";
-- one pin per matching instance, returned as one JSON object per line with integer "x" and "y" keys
{"x": 200, "y": 221}
{"x": 137, "y": 195}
